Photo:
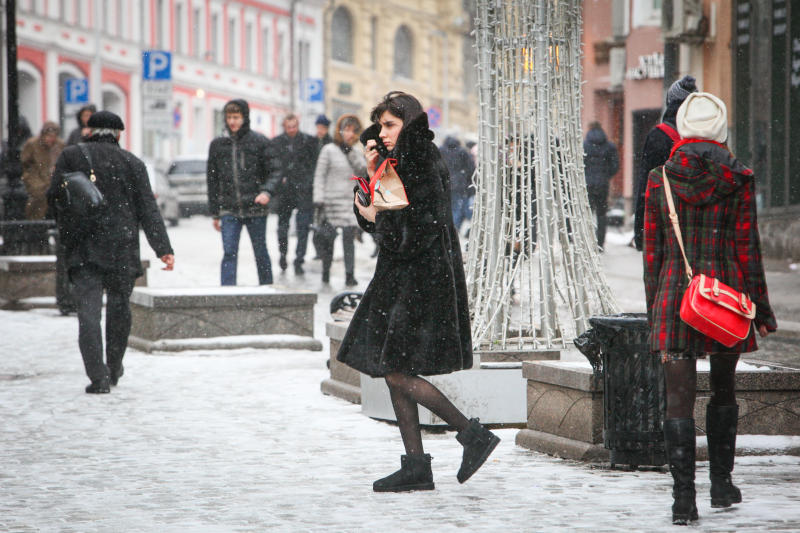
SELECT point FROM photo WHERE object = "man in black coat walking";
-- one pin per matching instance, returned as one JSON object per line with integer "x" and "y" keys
{"x": 102, "y": 253}
{"x": 295, "y": 161}
{"x": 238, "y": 174}
{"x": 461, "y": 167}
{"x": 601, "y": 162}
{"x": 656, "y": 149}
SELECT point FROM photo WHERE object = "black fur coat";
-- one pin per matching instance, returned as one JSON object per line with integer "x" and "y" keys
{"x": 414, "y": 315}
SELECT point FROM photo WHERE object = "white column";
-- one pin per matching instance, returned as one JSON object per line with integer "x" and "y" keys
{"x": 135, "y": 120}
{"x": 51, "y": 86}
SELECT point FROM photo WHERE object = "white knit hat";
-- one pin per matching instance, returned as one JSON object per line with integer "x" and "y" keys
{"x": 703, "y": 116}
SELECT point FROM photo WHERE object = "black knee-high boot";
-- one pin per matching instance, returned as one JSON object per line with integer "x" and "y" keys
{"x": 414, "y": 474}
{"x": 721, "y": 425}
{"x": 680, "y": 447}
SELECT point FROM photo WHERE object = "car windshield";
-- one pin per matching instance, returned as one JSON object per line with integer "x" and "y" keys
{"x": 195, "y": 166}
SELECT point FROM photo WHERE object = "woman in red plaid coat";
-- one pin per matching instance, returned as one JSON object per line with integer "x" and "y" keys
{"x": 714, "y": 199}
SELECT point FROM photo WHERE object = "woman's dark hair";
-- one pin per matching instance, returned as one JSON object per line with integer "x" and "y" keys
{"x": 400, "y": 104}
{"x": 344, "y": 122}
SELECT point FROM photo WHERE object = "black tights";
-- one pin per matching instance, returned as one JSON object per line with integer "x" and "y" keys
{"x": 408, "y": 391}
{"x": 681, "y": 381}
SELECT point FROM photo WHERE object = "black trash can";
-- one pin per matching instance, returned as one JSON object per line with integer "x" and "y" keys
{"x": 634, "y": 398}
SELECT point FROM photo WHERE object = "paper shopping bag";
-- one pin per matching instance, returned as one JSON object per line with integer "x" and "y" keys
{"x": 386, "y": 187}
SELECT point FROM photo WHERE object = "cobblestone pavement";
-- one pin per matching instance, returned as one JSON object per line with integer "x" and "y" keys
{"x": 243, "y": 440}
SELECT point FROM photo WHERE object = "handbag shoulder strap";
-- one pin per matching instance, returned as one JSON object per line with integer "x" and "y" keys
{"x": 673, "y": 217}
{"x": 88, "y": 157}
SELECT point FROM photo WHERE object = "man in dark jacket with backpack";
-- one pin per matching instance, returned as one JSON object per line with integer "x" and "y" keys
{"x": 656, "y": 149}
{"x": 601, "y": 162}
{"x": 102, "y": 251}
{"x": 238, "y": 171}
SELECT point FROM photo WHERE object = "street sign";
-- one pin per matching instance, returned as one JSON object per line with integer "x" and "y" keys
{"x": 76, "y": 91}
{"x": 314, "y": 89}
{"x": 156, "y": 65}
{"x": 434, "y": 116}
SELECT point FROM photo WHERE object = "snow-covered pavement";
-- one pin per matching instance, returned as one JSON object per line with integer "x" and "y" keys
{"x": 243, "y": 440}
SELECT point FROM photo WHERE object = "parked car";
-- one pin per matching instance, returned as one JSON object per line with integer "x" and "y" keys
{"x": 187, "y": 176}
{"x": 166, "y": 198}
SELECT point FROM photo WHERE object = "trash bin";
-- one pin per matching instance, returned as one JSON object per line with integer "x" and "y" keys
{"x": 634, "y": 396}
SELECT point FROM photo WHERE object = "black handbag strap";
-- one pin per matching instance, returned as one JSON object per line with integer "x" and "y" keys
{"x": 88, "y": 157}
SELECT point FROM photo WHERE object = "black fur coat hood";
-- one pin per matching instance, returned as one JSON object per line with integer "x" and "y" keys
{"x": 414, "y": 315}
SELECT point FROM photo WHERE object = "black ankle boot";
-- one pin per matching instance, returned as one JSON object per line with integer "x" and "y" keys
{"x": 478, "y": 443}
{"x": 326, "y": 276}
{"x": 414, "y": 474}
{"x": 115, "y": 374}
{"x": 98, "y": 386}
{"x": 721, "y": 425}
{"x": 350, "y": 280}
{"x": 680, "y": 446}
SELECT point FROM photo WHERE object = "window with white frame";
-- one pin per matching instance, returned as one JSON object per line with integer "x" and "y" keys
{"x": 249, "y": 56}
{"x": 197, "y": 33}
{"x": 120, "y": 17}
{"x": 160, "y": 26}
{"x": 283, "y": 56}
{"x": 266, "y": 52}
{"x": 342, "y": 35}
{"x": 647, "y": 13}
{"x": 403, "y": 53}
{"x": 215, "y": 53}
{"x": 180, "y": 25}
{"x": 232, "y": 38}
{"x": 107, "y": 15}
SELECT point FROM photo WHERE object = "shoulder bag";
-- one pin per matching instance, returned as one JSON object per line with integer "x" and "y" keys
{"x": 710, "y": 306}
{"x": 79, "y": 197}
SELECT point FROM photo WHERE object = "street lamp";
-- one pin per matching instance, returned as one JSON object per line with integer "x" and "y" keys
{"x": 15, "y": 196}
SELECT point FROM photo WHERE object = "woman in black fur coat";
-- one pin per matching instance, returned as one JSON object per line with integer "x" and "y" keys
{"x": 413, "y": 319}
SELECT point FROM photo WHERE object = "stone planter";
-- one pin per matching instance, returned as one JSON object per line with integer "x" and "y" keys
{"x": 565, "y": 407}
{"x": 344, "y": 382}
{"x": 234, "y": 317}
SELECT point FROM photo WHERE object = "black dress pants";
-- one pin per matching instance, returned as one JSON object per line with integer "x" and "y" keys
{"x": 90, "y": 282}
{"x": 302, "y": 220}
{"x": 598, "y": 201}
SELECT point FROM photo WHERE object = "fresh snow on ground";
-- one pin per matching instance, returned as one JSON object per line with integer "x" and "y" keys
{"x": 242, "y": 440}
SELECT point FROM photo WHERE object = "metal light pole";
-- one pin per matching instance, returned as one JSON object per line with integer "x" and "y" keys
{"x": 15, "y": 197}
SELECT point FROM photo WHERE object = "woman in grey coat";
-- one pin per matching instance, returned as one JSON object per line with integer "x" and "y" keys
{"x": 338, "y": 162}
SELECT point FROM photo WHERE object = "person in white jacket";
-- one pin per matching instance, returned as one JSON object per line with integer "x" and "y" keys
{"x": 338, "y": 162}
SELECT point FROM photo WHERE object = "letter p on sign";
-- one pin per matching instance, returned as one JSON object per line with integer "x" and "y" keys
{"x": 157, "y": 65}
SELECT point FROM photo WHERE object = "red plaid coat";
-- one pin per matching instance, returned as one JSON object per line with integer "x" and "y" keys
{"x": 714, "y": 199}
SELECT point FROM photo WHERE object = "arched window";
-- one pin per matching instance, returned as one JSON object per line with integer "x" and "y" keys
{"x": 342, "y": 35}
{"x": 403, "y": 53}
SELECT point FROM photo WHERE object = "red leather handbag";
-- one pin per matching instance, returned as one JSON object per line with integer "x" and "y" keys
{"x": 710, "y": 306}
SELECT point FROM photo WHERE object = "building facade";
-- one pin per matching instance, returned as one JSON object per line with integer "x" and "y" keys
{"x": 422, "y": 47}
{"x": 262, "y": 51}
{"x": 747, "y": 52}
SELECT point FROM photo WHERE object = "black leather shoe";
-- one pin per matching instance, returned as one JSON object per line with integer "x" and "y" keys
{"x": 98, "y": 386}
{"x": 351, "y": 281}
{"x": 115, "y": 375}
{"x": 298, "y": 269}
{"x": 282, "y": 262}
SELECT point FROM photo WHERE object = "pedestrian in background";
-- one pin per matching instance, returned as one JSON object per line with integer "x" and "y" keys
{"x": 338, "y": 162}
{"x": 323, "y": 137}
{"x": 657, "y": 148}
{"x": 601, "y": 162}
{"x": 82, "y": 116}
{"x": 103, "y": 254}
{"x": 461, "y": 167}
{"x": 38, "y": 158}
{"x": 413, "y": 319}
{"x": 295, "y": 155}
{"x": 714, "y": 197}
{"x": 237, "y": 175}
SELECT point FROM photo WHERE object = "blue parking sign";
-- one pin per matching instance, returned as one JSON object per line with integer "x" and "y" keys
{"x": 314, "y": 90}
{"x": 76, "y": 91}
{"x": 156, "y": 65}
